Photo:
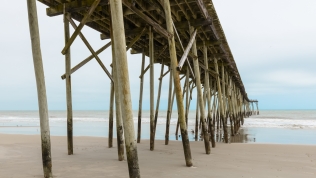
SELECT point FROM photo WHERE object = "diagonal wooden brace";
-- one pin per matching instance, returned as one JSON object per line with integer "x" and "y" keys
{"x": 187, "y": 50}
{"x": 82, "y": 63}
{"x": 143, "y": 73}
{"x": 178, "y": 37}
{"x": 82, "y": 23}
{"x": 90, "y": 48}
{"x": 102, "y": 49}
{"x": 135, "y": 39}
{"x": 164, "y": 75}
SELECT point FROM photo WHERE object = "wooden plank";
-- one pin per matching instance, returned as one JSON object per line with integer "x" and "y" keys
{"x": 174, "y": 3}
{"x": 128, "y": 33}
{"x": 47, "y": 2}
{"x": 207, "y": 16}
{"x": 73, "y": 6}
{"x": 179, "y": 25}
{"x": 203, "y": 9}
{"x": 195, "y": 23}
{"x": 147, "y": 19}
{"x": 135, "y": 39}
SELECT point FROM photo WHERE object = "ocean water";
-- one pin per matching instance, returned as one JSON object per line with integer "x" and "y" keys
{"x": 271, "y": 126}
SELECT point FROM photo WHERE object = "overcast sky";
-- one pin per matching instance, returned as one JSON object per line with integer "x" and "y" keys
{"x": 273, "y": 43}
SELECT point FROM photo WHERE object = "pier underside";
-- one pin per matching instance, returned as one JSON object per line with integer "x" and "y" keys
{"x": 140, "y": 14}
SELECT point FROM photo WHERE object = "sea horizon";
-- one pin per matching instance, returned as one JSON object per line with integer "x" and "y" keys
{"x": 270, "y": 126}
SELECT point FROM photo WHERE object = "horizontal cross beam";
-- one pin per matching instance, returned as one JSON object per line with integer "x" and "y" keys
{"x": 196, "y": 23}
{"x": 73, "y": 6}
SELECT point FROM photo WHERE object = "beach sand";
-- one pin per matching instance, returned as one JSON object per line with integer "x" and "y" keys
{"x": 20, "y": 156}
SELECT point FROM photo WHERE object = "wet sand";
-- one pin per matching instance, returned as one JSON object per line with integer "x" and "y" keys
{"x": 20, "y": 156}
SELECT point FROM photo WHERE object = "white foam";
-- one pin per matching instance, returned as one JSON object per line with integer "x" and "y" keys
{"x": 280, "y": 123}
{"x": 267, "y": 122}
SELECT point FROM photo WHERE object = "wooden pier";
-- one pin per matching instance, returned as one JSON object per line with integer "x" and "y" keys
{"x": 184, "y": 36}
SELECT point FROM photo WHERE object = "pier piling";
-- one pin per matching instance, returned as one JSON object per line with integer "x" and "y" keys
{"x": 124, "y": 91}
{"x": 41, "y": 88}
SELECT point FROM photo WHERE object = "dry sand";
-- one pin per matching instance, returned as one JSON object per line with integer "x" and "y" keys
{"x": 20, "y": 156}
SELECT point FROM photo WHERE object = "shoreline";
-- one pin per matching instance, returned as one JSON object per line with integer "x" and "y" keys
{"x": 246, "y": 134}
{"x": 21, "y": 157}
{"x": 147, "y": 140}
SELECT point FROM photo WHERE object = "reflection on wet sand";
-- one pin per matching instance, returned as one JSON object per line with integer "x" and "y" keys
{"x": 243, "y": 136}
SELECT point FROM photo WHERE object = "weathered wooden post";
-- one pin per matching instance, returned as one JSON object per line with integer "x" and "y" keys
{"x": 187, "y": 76}
{"x": 231, "y": 108}
{"x": 257, "y": 108}
{"x": 236, "y": 117}
{"x": 200, "y": 96}
{"x": 197, "y": 116}
{"x": 68, "y": 88}
{"x": 207, "y": 89}
{"x": 152, "y": 89}
{"x": 41, "y": 89}
{"x": 220, "y": 99}
{"x": 177, "y": 86}
{"x": 140, "y": 105}
{"x": 253, "y": 107}
{"x": 209, "y": 104}
{"x": 214, "y": 106}
{"x": 118, "y": 110}
{"x": 224, "y": 97}
{"x": 124, "y": 87}
{"x": 234, "y": 106}
{"x": 110, "y": 139}
{"x": 239, "y": 105}
{"x": 159, "y": 92}
{"x": 224, "y": 104}
{"x": 178, "y": 122}
{"x": 170, "y": 103}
